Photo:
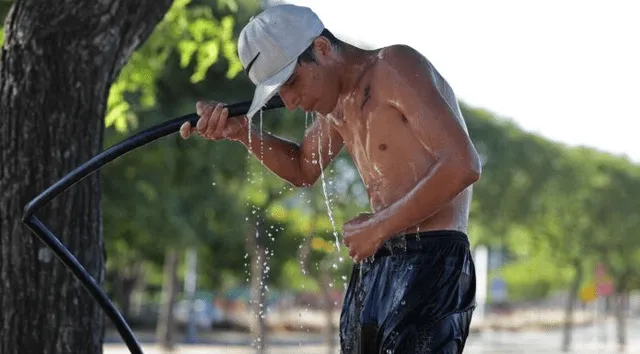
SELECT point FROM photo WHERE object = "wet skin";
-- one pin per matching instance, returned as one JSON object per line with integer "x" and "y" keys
{"x": 410, "y": 147}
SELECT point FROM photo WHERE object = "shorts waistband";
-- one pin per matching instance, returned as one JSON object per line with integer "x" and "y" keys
{"x": 420, "y": 242}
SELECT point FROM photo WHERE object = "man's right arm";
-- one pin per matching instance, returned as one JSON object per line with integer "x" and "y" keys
{"x": 299, "y": 164}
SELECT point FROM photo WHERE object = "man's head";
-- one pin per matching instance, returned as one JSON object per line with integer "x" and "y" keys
{"x": 285, "y": 49}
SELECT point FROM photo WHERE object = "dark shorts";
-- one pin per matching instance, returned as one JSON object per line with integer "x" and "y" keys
{"x": 416, "y": 295}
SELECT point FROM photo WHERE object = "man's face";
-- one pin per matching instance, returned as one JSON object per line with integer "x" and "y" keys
{"x": 313, "y": 86}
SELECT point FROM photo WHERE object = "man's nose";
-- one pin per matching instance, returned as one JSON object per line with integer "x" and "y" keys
{"x": 290, "y": 99}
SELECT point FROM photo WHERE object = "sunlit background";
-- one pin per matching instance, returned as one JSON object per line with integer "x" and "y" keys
{"x": 208, "y": 252}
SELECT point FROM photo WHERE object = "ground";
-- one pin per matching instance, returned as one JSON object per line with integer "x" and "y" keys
{"x": 586, "y": 339}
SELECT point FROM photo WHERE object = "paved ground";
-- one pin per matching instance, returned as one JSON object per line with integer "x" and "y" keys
{"x": 587, "y": 339}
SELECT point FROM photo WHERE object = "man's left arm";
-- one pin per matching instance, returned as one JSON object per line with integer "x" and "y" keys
{"x": 457, "y": 164}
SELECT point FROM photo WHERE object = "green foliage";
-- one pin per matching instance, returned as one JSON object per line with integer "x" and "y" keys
{"x": 551, "y": 205}
{"x": 297, "y": 280}
{"x": 5, "y": 6}
{"x": 534, "y": 277}
{"x": 164, "y": 195}
{"x": 189, "y": 31}
{"x": 1, "y": 36}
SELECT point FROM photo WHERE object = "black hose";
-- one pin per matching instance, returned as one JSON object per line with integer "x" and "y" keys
{"x": 49, "y": 238}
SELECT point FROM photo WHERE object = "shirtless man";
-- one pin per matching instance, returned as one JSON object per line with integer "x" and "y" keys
{"x": 412, "y": 289}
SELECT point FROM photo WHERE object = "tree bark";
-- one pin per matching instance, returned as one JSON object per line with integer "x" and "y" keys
{"x": 56, "y": 66}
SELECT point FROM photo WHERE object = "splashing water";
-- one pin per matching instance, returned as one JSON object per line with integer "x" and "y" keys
{"x": 249, "y": 129}
{"x": 262, "y": 254}
{"x": 326, "y": 195}
{"x": 261, "y": 144}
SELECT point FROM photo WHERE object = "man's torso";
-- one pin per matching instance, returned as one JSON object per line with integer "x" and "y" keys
{"x": 389, "y": 156}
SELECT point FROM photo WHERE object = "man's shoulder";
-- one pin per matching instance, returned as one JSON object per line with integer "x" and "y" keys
{"x": 400, "y": 64}
{"x": 399, "y": 61}
{"x": 396, "y": 51}
{"x": 399, "y": 56}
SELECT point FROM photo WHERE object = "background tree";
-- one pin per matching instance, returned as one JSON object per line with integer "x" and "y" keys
{"x": 56, "y": 67}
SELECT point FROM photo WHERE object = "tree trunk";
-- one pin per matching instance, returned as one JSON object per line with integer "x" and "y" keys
{"x": 123, "y": 283}
{"x": 571, "y": 300}
{"x": 166, "y": 324}
{"x": 56, "y": 66}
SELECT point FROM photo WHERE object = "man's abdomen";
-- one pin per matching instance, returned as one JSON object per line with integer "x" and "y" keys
{"x": 452, "y": 216}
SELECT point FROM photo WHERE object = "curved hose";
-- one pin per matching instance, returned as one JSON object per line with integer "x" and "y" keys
{"x": 49, "y": 238}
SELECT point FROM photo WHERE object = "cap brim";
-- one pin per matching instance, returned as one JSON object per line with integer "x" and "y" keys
{"x": 266, "y": 90}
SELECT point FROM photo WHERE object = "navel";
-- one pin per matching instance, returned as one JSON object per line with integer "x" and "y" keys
{"x": 382, "y": 147}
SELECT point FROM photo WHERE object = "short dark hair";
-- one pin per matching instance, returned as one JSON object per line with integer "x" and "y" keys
{"x": 308, "y": 57}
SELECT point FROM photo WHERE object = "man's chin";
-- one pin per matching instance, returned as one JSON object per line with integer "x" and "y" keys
{"x": 315, "y": 108}
{"x": 323, "y": 110}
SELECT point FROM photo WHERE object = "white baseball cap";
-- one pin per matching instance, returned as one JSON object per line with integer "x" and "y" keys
{"x": 269, "y": 47}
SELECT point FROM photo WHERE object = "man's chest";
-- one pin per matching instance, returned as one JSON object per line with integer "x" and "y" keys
{"x": 377, "y": 135}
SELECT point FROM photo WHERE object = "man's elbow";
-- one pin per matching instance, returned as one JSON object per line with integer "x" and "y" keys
{"x": 469, "y": 170}
{"x": 303, "y": 180}
{"x": 473, "y": 175}
{"x": 301, "y": 184}
{"x": 474, "y": 169}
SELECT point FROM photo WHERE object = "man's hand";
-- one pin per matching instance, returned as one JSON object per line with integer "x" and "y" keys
{"x": 214, "y": 123}
{"x": 361, "y": 241}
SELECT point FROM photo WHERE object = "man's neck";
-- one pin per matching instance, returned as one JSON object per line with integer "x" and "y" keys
{"x": 354, "y": 63}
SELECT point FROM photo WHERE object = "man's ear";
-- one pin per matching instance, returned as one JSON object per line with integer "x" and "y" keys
{"x": 321, "y": 47}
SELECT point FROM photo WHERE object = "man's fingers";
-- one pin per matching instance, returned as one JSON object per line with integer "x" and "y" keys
{"x": 212, "y": 124}
{"x": 200, "y": 105}
{"x": 204, "y": 110}
{"x": 213, "y": 120}
{"x": 185, "y": 130}
{"x": 222, "y": 123}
